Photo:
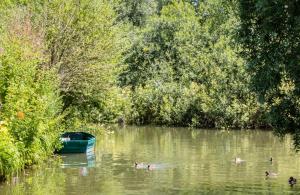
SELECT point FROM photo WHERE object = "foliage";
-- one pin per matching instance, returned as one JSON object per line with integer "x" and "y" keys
{"x": 10, "y": 159}
{"x": 29, "y": 94}
{"x": 135, "y": 12}
{"x": 181, "y": 52}
{"x": 269, "y": 33}
{"x": 84, "y": 43}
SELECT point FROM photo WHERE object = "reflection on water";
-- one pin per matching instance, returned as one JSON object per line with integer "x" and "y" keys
{"x": 182, "y": 161}
{"x": 78, "y": 160}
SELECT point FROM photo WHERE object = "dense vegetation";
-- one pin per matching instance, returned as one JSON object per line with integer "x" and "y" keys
{"x": 184, "y": 69}
{"x": 65, "y": 63}
{"x": 58, "y": 69}
{"x": 270, "y": 34}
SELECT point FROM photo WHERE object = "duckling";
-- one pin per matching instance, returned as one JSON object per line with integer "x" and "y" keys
{"x": 292, "y": 181}
{"x": 270, "y": 174}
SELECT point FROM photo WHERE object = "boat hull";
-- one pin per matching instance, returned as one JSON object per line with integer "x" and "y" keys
{"x": 77, "y": 142}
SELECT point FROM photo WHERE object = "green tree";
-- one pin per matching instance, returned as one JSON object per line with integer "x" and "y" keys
{"x": 84, "y": 43}
{"x": 269, "y": 33}
{"x": 190, "y": 51}
{"x": 135, "y": 12}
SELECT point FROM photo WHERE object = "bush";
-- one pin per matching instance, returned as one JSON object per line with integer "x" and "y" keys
{"x": 29, "y": 95}
{"x": 10, "y": 158}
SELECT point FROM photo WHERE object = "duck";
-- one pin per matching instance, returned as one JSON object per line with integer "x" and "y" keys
{"x": 238, "y": 160}
{"x": 292, "y": 180}
{"x": 150, "y": 167}
{"x": 270, "y": 174}
{"x": 139, "y": 165}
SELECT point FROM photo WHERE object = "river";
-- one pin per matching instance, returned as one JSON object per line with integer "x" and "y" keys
{"x": 182, "y": 161}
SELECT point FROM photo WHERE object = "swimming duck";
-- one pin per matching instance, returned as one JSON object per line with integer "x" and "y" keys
{"x": 270, "y": 174}
{"x": 150, "y": 167}
{"x": 139, "y": 165}
{"x": 292, "y": 181}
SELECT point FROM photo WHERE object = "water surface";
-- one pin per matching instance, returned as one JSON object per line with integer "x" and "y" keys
{"x": 183, "y": 161}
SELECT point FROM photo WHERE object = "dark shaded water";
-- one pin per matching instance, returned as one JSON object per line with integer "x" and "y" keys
{"x": 184, "y": 162}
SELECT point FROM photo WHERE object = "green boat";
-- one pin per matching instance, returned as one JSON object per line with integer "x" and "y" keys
{"x": 77, "y": 142}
